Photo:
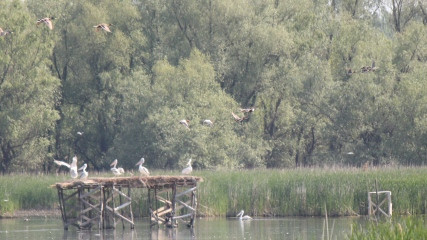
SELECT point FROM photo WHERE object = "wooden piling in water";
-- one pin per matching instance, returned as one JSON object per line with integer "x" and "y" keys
{"x": 375, "y": 208}
{"x": 102, "y": 202}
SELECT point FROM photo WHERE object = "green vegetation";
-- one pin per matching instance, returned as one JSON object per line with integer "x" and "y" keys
{"x": 409, "y": 228}
{"x": 261, "y": 192}
{"x": 298, "y": 62}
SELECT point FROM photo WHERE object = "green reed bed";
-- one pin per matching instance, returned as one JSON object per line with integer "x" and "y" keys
{"x": 305, "y": 192}
{"x": 261, "y": 192}
{"x": 407, "y": 228}
{"x": 24, "y": 192}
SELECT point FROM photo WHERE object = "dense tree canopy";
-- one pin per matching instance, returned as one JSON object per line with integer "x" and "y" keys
{"x": 326, "y": 78}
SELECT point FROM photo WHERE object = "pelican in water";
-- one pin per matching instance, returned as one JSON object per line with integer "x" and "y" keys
{"x": 144, "y": 171}
{"x": 208, "y": 122}
{"x": 47, "y": 21}
{"x": 241, "y": 217}
{"x": 72, "y": 167}
{"x": 188, "y": 169}
{"x": 83, "y": 174}
{"x": 185, "y": 123}
{"x": 116, "y": 171}
{"x": 103, "y": 26}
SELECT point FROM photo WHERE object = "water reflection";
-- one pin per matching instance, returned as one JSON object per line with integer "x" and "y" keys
{"x": 209, "y": 228}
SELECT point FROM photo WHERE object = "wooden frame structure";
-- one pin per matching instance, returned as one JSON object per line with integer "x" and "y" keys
{"x": 103, "y": 202}
{"x": 380, "y": 198}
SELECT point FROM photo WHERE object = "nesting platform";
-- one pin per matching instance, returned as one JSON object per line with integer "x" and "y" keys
{"x": 103, "y": 202}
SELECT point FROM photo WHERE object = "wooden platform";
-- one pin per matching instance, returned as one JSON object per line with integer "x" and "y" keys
{"x": 102, "y": 202}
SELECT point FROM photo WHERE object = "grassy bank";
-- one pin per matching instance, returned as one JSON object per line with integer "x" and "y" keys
{"x": 300, "y": 192}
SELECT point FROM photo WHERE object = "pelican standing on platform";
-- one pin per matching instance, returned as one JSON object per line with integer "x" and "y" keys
{"x": 72, "y": 167}
{"x": 188, "y": 169}
{"x": 144, "y": 171}
{"x": 83, "y": 174}
{"x": 116, "y": 171}
{"x": 241, "y": 217}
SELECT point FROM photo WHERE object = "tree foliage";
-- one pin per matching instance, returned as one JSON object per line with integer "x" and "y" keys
{"x": 325, "y": 77}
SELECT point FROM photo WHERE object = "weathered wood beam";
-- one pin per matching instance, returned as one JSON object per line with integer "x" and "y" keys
{"x": 186, "y": 191}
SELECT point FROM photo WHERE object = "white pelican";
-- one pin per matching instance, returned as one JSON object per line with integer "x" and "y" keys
{"x": 4, "y": 33}
{"x": 185, "y": 123}
{"x": 103, "y": 26}
{"x": 188, "y": 169}
{"x": 241, "y": 217}
{"x": 116, "y": 171}
{"x": 47, "y": 21}
{"x": 72, "y": 167}
{"x": 208, "y": 122}
{"x": 247, "y": 110}
{"x": 84, "y": 174}
{"x": 144, "y": 171}
{"x": 237, "y": 118}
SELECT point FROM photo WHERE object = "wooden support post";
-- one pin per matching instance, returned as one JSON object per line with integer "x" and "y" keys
{"x": 62, "y": 207}
{"x": 112, "y": 212}
{"x": 173, "y": 203}
{"x": 375, "y": 208}
{"x": 132, "y": 226}
{"x": 194, "y": 206}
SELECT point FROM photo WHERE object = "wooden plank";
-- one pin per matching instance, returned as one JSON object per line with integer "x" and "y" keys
{"x": 91, "y": 192}
{"x": 163, "y": 200}
{"x": 94, "y": 207}
{"x": 186, "y": 205}
{"x": 122, "y": 206}
{"x": 183, "y": 216}
{"x": 122, "y": 194}
{"x": 186, "y": 192}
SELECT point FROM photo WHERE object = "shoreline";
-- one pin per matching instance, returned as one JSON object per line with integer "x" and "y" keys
{"x": 32, "y": 213}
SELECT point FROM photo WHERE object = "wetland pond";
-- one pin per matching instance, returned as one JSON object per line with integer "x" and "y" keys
{"x": 204, "y": 228}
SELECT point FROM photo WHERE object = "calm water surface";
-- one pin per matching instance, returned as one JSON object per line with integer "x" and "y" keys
{"x": 205, "y": 228}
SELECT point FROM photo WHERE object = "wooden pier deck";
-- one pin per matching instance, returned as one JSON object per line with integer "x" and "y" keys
{"x": 103, "y": 202}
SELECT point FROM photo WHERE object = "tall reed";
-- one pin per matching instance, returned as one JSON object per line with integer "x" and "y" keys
{"x": 260, "y": 192}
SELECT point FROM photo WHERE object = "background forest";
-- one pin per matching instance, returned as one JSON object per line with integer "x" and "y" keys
{"x": 297, "y": 62}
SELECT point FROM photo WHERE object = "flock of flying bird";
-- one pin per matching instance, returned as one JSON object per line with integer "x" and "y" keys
{"x": 210, "y": 123}
{"x": 49, "y": 24}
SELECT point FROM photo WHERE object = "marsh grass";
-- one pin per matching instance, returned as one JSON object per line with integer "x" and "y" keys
{"x": 407, "y": 228}
{"x": 260, "y": 192}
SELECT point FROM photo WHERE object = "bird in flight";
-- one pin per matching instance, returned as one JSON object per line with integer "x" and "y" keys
{"x": 185, "y": 123}
{"x": 47, "y": 21}
{"x": 208, "y": 122}
{"x": 103, "y": 26}
{"x": 237, "y": 118}
{"x": 247, "y": 110}
{"x": 4, "y": 33}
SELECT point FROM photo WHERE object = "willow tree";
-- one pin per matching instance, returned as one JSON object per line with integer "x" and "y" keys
{"x": 186, "y": 91}
{"x": 28, "y": 91}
